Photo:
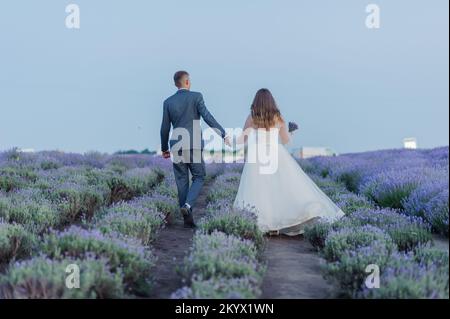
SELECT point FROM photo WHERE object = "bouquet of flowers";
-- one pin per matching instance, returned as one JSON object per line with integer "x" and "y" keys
{"x": 292, "y": 127}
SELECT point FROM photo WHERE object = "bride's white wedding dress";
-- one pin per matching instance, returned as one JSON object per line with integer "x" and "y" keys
{"x": 281, "y": 194}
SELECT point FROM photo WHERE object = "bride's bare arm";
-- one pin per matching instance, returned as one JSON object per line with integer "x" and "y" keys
{"x": 245, "y": 131}
{"x": 284, "y": 134}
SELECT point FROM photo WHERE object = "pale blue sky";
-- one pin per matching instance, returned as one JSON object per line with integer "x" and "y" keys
{"x": 102, "y": 87}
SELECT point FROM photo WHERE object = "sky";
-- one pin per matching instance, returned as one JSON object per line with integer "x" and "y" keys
{"x": 101, "y": 87}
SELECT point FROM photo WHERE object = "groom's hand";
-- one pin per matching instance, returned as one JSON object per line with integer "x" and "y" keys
{"x": 166, "y": 154}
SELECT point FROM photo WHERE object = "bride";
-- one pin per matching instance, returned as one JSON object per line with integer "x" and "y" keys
{"x": 273, "y": 185}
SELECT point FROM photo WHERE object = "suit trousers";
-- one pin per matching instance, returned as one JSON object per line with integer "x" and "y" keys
{"x": 185, "y": 162}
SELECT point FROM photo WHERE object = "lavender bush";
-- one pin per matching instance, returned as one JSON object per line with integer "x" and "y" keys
{"x": 139, "y": 219}
{"x": 218, "y": 255}
{"x": 418, "y": 200}
{"x": 31, "y": 209}
{"x": 317, "y": 233}
{"x": 246, "y": 287}
{"x": 164, "y": 204}
{"x": 16, "y": 177}
{"x": 126, "y": 255}
{"x": 430, "y": 255}
{"x": 15, "y": 242}
{"x": 43, "y": 278}
{"x": 404, "y": 278}
{"x": 339, "y": 242}
{"x": 222, "y": 217}
{"x": 133, "y": 183}
{"x": 351, "y": 202}
{"x": 225, "y": 187}
{"x": 330, "y": 187}
{"x": 407, "y": 232}
{"x": 167, "y": 188}
{"x": 350, "y": 270}
{"x": 437, "y": 212}
{"x": 390, "y": 188}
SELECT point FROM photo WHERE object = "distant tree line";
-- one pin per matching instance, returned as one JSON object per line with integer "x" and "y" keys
{"x": 133, "y": 152}
{"x": 223, "y": 151}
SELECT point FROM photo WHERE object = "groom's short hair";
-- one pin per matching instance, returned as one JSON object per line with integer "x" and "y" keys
{"x": 178, "y": 77}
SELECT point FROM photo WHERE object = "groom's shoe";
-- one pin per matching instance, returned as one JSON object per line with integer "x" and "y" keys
{"x": 186, "y": 211}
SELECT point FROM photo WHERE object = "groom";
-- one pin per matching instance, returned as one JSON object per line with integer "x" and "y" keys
{"x": 182, "y": 111}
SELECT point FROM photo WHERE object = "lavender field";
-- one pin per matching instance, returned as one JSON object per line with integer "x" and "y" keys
{"x": 107, "y": 214}
{"x": 396, "y": 205}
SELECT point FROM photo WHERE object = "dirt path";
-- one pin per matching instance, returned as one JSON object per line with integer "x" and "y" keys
{"x": 293, "y": 270}
{"x": 293, "y": 267}
{"x": 441, "y": 242}
{"x": 171, "y": 246}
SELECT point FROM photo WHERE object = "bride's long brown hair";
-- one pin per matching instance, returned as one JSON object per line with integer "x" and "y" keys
{"x": 264, "y": 110}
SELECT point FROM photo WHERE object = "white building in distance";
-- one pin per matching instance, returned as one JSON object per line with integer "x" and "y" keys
{"x": 25, "y": 150}
{"x": 410, "y": 143}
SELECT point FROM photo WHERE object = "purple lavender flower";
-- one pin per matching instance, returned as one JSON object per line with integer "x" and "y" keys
{"x": 245, "y": 287}
{"x": 404, "y": 278}
{"x": 392, "y": 187}
{"x": 417, "y": 202}
{"x": 437, "y": 212}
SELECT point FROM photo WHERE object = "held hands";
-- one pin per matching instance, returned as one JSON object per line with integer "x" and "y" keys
{"x": 166, "y": 154}
{"x": 227, "y": 141}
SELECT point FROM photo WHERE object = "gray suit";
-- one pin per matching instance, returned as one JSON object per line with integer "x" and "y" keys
{"x": 183, "y": 111}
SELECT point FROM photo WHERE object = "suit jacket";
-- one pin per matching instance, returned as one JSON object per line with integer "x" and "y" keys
{"x": 183, "y": 111}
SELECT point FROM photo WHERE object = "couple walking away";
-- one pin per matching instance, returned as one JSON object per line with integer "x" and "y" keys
{"x": 284, "y": 200}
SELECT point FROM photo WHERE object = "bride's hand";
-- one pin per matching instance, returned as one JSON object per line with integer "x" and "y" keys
{"x": 227, "y": 141}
